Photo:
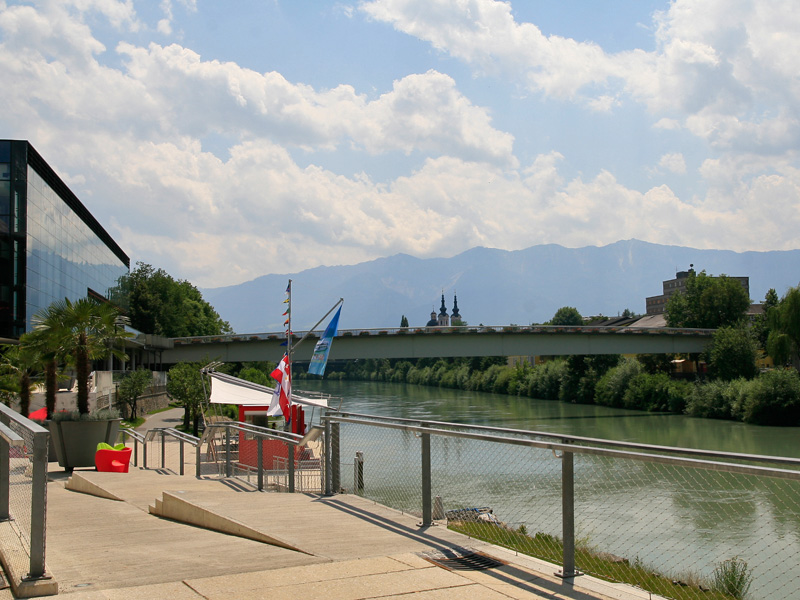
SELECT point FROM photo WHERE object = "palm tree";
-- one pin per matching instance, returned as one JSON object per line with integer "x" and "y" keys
{"x": 83, "y": 330}
{"x": 21, "y": 361}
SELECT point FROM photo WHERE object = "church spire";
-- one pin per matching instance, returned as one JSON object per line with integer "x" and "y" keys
{"x": 455, "y": 308}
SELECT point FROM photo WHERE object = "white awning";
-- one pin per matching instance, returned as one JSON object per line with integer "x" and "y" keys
{"x": 226, "y": 389}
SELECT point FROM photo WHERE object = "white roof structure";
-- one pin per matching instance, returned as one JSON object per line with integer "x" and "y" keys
{"x": 226, "y": 389}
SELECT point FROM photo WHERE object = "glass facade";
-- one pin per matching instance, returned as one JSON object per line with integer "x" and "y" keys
{"x": 51, "y": 248}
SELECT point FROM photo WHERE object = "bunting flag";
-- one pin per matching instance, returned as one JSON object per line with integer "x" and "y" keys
{"x": 283, "y": 376}
{"x": 320, "y": 356}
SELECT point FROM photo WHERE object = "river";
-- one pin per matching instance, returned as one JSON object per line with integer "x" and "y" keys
{"x": 477, "y": 408}
{"x": 680, "y": 520}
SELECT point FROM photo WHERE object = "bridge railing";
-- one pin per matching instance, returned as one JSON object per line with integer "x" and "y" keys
{"x": 620, "y": 511}
{"x": 482, "y": 329}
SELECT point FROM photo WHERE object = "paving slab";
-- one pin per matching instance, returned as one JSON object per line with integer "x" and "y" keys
{"x": 99, "y": 548}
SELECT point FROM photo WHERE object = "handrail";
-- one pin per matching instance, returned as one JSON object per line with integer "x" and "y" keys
{"x": 172, "y": 432}
{"x": 566, "y": 446}
{"x": 12, "y": 438}
{"x": 762, "y": 458}
{"x": 283, "y": 436}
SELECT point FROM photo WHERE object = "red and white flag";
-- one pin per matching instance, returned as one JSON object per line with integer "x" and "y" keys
{"x": 284, "y": 391}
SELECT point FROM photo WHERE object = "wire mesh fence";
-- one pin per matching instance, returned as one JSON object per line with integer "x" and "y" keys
{"x": 23, "y": 494}
{"x": 707, "y": 526}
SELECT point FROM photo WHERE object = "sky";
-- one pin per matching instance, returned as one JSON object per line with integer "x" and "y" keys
{"x": 225, "y": 140}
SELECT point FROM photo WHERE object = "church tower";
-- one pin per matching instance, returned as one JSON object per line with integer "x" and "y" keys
{"x": 444, "y": 318}
{"x": 456, "y": 315}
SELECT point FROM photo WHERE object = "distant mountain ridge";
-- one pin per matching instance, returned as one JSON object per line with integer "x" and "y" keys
{"x": 494, "y": 287}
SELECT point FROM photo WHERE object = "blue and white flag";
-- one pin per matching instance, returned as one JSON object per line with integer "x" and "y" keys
{"x": 320, "y": 356}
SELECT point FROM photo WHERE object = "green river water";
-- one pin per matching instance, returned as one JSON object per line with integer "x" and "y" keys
{"x": 680, "y": 520}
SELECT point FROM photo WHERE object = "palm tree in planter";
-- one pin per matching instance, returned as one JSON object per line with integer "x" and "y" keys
{"x": 81, "y": 331}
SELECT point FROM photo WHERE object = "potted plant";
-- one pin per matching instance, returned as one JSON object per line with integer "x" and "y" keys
{"x": 79, "y": 332}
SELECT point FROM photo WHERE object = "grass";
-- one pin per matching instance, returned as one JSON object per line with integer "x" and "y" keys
{"x": 605, "y": 566}
{"x": 733, "y": 577}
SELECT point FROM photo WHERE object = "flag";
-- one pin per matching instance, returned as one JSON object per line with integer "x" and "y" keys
{"x": 283, "y": 376}
{"x": 320, "y": 356}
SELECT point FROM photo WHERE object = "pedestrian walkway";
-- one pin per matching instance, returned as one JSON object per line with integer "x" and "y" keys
{"x": 281, "y": 546}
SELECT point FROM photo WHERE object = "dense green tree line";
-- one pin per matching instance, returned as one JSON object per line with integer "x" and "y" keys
{"x": 771, "y": 398}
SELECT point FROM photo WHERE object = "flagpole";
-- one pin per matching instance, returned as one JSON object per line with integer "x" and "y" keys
{"x": 289, "y": 341}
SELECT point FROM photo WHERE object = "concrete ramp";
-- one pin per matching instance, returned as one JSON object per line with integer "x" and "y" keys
{"x": 176, "y": 507}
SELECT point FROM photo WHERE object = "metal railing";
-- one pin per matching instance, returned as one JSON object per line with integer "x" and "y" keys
{"x": 23, "y": 494}
{"x": 256, "y": 455}
{"x": 680, "y": 523}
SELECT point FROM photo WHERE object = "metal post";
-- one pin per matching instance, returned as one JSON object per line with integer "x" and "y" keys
{"x": 181, "y": 454}
{"x": 290, "y": 465}
{"x": 163, "y": 450}
{"x": 198, "y": 457}
{"x": 5, "y": 478}
{"x": 336, "y": 465}
{"x": 327, "y": 453}
{"x": 227, "y": 451}
{"x": 144, "y": 453}
{"x": 568, "y": 515}
{"x": 427, "y": 510}
{"x": 260, "y": 464}
{"x": 38, "y": 504}
{"x": 358, "y": 474}
{"x": 135, "y": 452}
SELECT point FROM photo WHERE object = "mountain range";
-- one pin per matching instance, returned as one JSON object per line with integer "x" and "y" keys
{"x": 494, "y": 287}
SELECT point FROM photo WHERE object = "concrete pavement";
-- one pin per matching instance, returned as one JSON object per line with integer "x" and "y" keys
{"x": 294, "y": 546}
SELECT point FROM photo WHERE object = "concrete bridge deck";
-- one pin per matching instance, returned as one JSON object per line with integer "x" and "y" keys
{"x": 297, "y": 546}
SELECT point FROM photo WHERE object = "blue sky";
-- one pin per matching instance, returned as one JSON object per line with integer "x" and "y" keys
{"x": 226, "y": 140}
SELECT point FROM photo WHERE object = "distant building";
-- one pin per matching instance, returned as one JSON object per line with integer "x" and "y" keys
{"x": 51, "y": 247}
{"x": 657, "y": 304}
{"x": 443, "y": 319}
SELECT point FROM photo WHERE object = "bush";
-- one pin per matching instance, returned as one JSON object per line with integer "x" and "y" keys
{"x": 656, "y": 393}
{"x": 610, "y": 390}
{"x": 545, "y": 381}
{"x": 773, "y": 399}
{"x": 717, "y": 399}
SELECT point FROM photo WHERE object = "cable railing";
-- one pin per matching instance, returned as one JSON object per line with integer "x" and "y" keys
{"x": 680, "y": 523}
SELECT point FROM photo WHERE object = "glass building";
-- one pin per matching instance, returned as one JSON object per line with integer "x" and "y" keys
{"x": 51, "y": 247}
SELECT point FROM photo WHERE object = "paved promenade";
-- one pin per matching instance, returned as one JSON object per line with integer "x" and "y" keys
{"x": 285, "y": 546}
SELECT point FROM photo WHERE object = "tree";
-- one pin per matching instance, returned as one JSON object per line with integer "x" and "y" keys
{"x": 83, "y": 330}
{"x": 403, "y": 321}
{"x": 709, "y": 302}
{"x": 21, "y": 361}
{"x": 185, "y": 384}
{"x": 761, "y": 324}
{"x": 783, "y": 342}
{"x": 567, "y": 315}
{"x": 158, "y": 304}
{"x": 132, "y": 386}
{"x": 732, "y": 354}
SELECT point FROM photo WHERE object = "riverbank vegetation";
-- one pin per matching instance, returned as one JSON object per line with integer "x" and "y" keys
{"x": 729, "y": 385}
{"x": 639, "y": 383}
{"x": 731, "y": 578}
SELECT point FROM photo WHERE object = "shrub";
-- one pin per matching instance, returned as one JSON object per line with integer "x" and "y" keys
{"x": 545, "y": 381}
{"x": 732, "y": 354}
{"x": 717, "y": 399}
{"x": 656, "y": 393}
{"x": 732, "y": 577}
{"x": 773, "y": 399}
{"x": 610, "y": 390}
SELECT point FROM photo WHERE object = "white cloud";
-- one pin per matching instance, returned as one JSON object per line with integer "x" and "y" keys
{"x": 131, "y": 139}
{"x": 674, "y": 163}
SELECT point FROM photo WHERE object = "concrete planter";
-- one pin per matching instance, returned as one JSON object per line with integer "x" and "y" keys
{"x": 76, "y": 442}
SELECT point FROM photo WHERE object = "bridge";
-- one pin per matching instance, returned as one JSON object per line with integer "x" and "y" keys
{"x": 535, "y": 340}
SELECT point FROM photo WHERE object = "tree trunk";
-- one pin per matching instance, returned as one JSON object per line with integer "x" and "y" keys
{"x": 82, "y": 373}
{"x": 50, "y": 387}
{"x": 24, "y": 394}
